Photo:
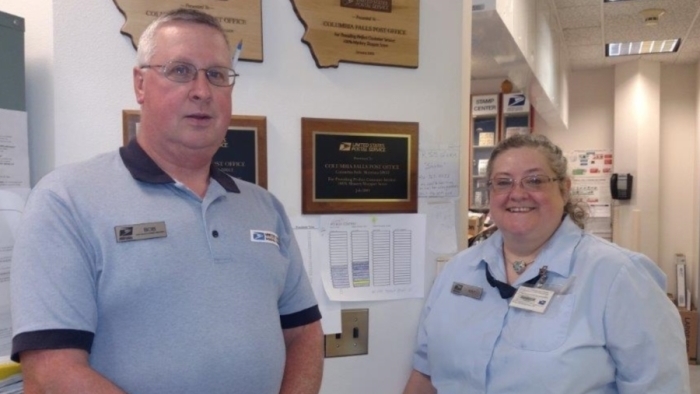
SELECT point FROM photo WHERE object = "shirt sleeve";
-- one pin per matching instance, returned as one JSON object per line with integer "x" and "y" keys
{"x": 644, "y": 335}
{"x": 52, "y": 279}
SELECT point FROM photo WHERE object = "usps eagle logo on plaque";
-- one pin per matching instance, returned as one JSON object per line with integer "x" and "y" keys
{"x": 345, "y": 146}
{"x": 264, "y": 236}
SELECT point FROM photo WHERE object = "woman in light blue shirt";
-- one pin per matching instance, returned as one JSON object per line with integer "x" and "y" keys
{"x": 542, "y": 306}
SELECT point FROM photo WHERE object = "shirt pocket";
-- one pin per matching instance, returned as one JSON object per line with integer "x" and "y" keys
{"x": 540, "y": 332}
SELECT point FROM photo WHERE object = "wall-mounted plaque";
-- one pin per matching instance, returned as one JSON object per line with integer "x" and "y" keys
{"x": 243, "y": 152}
{"x": 242, "y": 20}
{"x": 355, "y": 166}
{"x": 381, "y": 32}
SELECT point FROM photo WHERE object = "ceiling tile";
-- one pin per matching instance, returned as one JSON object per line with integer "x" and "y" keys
{"x": 576, "y": 3}
{"x": 688, "y": 57}
{"x": 585, "y": 30}
{"x": 589, "y": 64}
{"x": 577, "y": 17}
{"x": 584, "y": 36}
{"x": 586, "y": 52}
{"x": 661, "y": 58}
{"x": 690, "y": 46}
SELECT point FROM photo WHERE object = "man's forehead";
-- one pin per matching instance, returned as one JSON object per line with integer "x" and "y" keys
{"x": 168, "y": 36}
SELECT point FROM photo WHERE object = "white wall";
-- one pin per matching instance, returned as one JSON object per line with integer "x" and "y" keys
{"x": 678, "y": 175}
{"x": 79, "y": 81}
{"x": 591, "y": 126}
{"x": 591, "y": 110}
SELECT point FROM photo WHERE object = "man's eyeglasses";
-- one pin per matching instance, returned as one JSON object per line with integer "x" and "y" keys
{"x": 184, "y": 72}
{"x": 532, "y": 183}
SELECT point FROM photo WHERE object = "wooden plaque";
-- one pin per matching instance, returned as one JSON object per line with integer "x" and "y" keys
{"x": 243, "y": 152}
{"x": 242, "y": 20}
{"x": 380, "y": 32}
{"x": 355, "y": 166}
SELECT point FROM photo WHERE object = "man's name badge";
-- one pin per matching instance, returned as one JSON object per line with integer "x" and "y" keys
{"x": 532, "y": 299}
{"x": 141, "y": 231}
{"x": 467, "y": 290}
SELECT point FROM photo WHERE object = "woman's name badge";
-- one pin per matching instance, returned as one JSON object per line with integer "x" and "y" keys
{"x": 466, "y": 290}
{"x": 532, "y": 299}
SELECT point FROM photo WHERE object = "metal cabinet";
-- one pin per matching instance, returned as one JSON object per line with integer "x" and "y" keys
{"x": 12, "y": 89}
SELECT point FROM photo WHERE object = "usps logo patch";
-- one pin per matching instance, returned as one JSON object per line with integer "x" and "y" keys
{"x": 264, "y": 236}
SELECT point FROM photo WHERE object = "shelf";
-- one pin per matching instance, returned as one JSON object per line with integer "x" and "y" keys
{"x": 493, "y": 114}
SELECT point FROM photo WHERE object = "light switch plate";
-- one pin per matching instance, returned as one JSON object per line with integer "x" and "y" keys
{"x": 355, "y": 336}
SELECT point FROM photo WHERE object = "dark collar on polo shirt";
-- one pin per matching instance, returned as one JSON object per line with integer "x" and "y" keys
{"x": 144, "y": 169}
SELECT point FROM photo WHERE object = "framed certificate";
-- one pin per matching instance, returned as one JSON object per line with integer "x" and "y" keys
{"x": 243, "y": 152}
{"x": 357, "y": 166}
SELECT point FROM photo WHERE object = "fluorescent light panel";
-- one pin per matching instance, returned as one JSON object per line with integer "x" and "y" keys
{"x": 642, "y": 47}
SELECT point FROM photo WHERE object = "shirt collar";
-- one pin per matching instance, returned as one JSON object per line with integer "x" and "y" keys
{"x": 557, "y": 253}
{"x": 144, "y": 169}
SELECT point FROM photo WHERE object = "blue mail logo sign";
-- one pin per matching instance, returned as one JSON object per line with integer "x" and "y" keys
{"x": 516, "y": 101}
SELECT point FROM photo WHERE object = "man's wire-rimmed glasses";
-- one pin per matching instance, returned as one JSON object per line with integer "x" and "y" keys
{"x": 185, "y": 72}
{"x": 531, "y": 183}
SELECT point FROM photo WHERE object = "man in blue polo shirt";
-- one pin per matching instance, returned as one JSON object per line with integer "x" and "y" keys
{"x": 150, "y": 271}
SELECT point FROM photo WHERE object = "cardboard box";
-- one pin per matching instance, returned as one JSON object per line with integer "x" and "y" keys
{"x": 690, "y": 326}
{"x": 487, "y": 138}
{"x": 476, "y": 223}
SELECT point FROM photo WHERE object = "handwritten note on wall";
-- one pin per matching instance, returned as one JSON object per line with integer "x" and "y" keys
{"x": 438, "y": 173}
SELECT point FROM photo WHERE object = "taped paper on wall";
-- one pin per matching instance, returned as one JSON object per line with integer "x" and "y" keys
{"x": 14, "y": 149}
{"x": 11, "y": 208}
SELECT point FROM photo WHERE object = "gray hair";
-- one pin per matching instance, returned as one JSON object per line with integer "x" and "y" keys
{"x": 147, "y": 43}
{"x": 578, "y": 211}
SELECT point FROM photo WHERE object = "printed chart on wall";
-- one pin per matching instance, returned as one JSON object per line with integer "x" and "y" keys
{"x": 372, "y": 258}
{"x": 308, "y": 234}
{"x": 590, "y": 172}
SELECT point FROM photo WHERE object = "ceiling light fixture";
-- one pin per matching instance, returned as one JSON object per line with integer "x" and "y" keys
{"x": 642, "y": 47}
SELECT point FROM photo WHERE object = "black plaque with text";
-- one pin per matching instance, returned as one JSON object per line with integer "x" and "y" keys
{"x": 361, "y": 167}
{"x": 237, "y": 155}
{"x": 352, "y": 166}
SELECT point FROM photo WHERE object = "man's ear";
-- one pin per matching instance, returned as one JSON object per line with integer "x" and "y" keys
{"x": 138, "y": 85}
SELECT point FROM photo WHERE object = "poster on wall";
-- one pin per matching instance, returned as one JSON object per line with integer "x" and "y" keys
{"x": 590, "y": 172}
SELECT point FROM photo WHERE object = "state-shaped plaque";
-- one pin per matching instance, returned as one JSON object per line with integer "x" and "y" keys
{"x": 241, "y": 19}
{"x": 379, "y": 32}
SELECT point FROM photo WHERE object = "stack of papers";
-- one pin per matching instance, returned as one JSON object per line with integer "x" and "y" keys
{"x": 10, "y": 378}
